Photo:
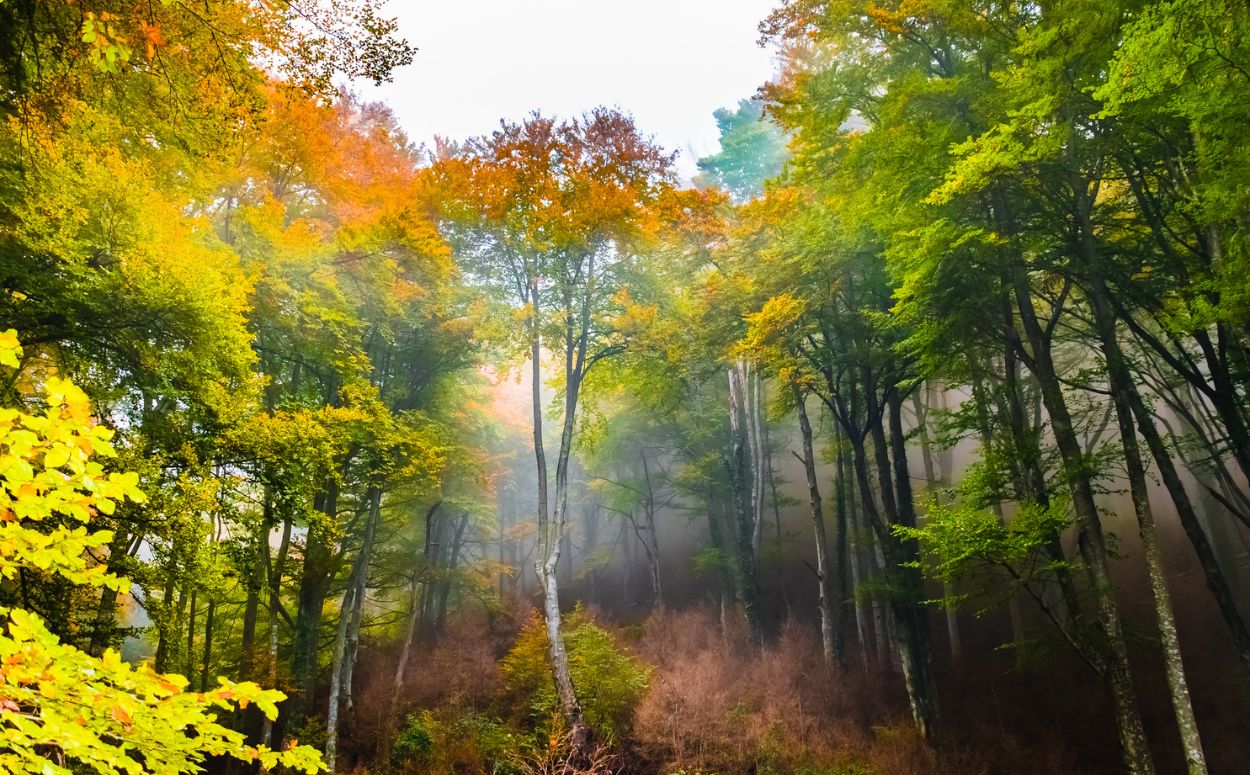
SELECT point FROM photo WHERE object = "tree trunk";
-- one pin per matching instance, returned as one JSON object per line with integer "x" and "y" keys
{"x": 652, "y": 544}
{"x": 161, "y": 659}
{"x": 190, "y": 671}
{"x": 358, "y": 607}
{"x": 313, "y": 588}
{"x": 453, "y": 561}
{"x": 336, "y": 675}
{"x": 104, "y": 628}
{"x": 551, "y": 524}
{"x": 208, "y": 644}
{"x": 1092, "y": 543}
{"x": 414, "y": 607}
{"x": 746, "y": 566}
{"x": 347, "y": 636}
{"x": 1121, "y": 380}
{"x": 841, "y": 552}
{"x": 934, "y": 482}
{"x": 852, "y": 554}
{"x": 829, "y": 610}
{"x": 275, "y": 607}
{"x": 915, "y": 640}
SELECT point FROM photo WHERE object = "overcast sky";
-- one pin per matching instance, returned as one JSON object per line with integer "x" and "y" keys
{"x": 668, "y": 62}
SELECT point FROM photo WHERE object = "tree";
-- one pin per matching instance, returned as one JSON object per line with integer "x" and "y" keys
{"x": 753, "y": 149}
{"x": 554, "y": 212}
{"x": 58, "y": 705}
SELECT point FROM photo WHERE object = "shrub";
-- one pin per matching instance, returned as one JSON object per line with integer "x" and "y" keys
{"x": 414, "y": 741}
{"x": 453, "y": 739}
{"x": 609, "y": 680}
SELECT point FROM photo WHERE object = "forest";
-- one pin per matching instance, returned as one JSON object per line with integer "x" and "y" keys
{"x": 911, "y": 435}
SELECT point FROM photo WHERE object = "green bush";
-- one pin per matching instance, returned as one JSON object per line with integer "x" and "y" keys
{"x": 453, "y": 739}
{"x": 414, "y": 741}
{"x": 609, "y": 680}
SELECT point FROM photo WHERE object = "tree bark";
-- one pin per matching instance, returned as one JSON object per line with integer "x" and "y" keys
{"x": 746, "y": 566}
{"x": 1120, "y": 380}
{"x": 274, "y": 570}
{"x": 652, "y": 544}
{"x": 829, "y": 610}
{"x": 933, "y": 483}
{"x": 1092, "y": 544}
{"x": 915, "y": 643}
{"x": 551, "y": 524}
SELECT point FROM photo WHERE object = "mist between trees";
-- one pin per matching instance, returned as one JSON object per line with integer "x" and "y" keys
{"x": 912, "y": 436}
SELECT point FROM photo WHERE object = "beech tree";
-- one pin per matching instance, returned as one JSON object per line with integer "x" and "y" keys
{"x": 553, "y": 212}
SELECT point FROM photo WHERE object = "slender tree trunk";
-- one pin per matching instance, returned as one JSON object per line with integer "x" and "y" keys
{"x": 916, "y": 655}
{"x": 551, "y": 524}
{"x": 986, "y": 431}
{"x": 161, "y": 659}
{"x": 1121, "y": 381}
{"x": 746, "y": 567}
{"x": 934, "y": 482}
{"x": 1213, "y": 570}
{"x": 275, "y": 571}
{"x": 829, "y": 610}
{"x": 840, "y": 552}
{"x": 755, "y": 420}
{"x": 358, "y": 607}
{"x": 652, "y": 545}
{"x": 414, "y": 607}
{"x": 453, "y": 562}
{"x": 208, "y": 644}
{"x": 336, "y": 675}
{"x": 247, "y": 642}
{"x": 190, "y": 671}
{"x": 103, "y": 630}
{"x": 851, "y": 551}
{"x": 875, "y": 562}
{"x": 1092, "y": 544}
{"x": 347, "y": 635}
{"x": 716, "y": 535}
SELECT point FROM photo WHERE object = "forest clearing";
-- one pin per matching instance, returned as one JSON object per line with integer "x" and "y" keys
{"x": 874, "y": 400}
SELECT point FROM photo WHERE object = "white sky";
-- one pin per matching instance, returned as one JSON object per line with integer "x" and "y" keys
{"x": 668, "y": 62}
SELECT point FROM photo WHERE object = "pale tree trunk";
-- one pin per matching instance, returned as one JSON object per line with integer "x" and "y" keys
{"x": 829, "y": 609}
{"x": 1113, "y": 664}
{"x": 852, "y": 553}
{"x": 410, "y": 632}
{"x": 747, "y": 507}
{"x": 348, "y": 633}
{"x": 1092, "y": 543}
{"x": 1121, "y": 380}
{"x": 1220, "y": 571}
{"x": 275, "y": 607}
{"x": 358, "y": 607}
{"x": 755, "y": 435}
{"x": 933, "y": 482}
{"x": 551, "y": 524}
{"x": 336, "y": 676}
{"x": 652, "y": 545}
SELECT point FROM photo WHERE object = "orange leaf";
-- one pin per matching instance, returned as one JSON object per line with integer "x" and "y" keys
{"x": 121, "y": 716}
